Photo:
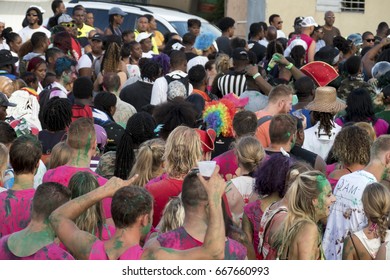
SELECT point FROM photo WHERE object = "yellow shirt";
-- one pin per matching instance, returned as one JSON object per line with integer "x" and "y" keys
{"x": 83, "y": 32}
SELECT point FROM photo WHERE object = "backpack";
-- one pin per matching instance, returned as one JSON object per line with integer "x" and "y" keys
{"x": 81, "y": 111}
{"x": 183, "y": 80}
{"x": 263, "y": 120}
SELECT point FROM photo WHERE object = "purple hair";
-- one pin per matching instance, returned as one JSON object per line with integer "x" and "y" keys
{"x": 164, "y": 62}
{"x": 271, "y": 175}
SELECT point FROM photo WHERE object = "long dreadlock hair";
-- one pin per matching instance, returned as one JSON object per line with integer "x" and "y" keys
{"x": 57, "y": 114}
{"x": 139, "y": 128}
{"x": 326, "y": 121}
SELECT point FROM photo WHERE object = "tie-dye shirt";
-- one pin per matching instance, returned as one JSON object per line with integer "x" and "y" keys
{"x": 15, "y": 210}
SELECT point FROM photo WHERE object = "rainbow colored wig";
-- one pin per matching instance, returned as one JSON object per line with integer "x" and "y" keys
{"x": 219, "y": 115}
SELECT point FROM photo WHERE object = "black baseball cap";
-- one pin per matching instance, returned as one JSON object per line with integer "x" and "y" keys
{"x": 4, "y": 101}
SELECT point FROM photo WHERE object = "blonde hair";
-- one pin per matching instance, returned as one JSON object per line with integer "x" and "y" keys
{"x": 148, "y": 161}
{"x": 173, "y": 215}
{"x": 3, "y": 160}
{"x": 60, "y": 155}
{"x": 301, "y": 210}
{"x": 6, "y": 86}
{"x": 376, "y": 205}
{"x": 367, "y": 127}
{"x": 249, "y": 152}
{"x": 222, "y": 63}
{"x": 182, "y": 151}
{"x": 91, "y": 220}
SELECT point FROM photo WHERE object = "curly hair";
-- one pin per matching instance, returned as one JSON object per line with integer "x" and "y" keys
{"x": 271, "y": 176}
{"x": 172, "y": 114}
{"x": 348, "y": 154}
{"x": 376, "y": 205}
{"x": 182, "y": 151}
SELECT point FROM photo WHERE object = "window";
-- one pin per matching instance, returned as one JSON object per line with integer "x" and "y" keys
{"x": 341, "y": 5}
{"x": 352, "y": 6}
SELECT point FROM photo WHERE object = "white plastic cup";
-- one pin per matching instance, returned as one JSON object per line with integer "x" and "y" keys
{"x": 206, "y": 168}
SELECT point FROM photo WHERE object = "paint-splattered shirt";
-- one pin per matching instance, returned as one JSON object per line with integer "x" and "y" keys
{"x": 15, "y": 210}
{"x": 254, "y": 213}
{"x": 63, "y": 174}
{"x": 228, "y": 163}
{"x": 98, "y": 252}
{"x": 179, "y": 239}
{"x": 347, "y": 214}
{"x": 48, "y": 252}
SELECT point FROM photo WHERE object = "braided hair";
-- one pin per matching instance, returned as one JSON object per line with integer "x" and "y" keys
{"x": 139, "y": 128}
{"x": 57, "y": 114}
{"x": 326, "y": 121}
{"x": 111, "y": 58}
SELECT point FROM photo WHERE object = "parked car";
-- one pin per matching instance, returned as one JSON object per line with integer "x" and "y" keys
{"x": 168, "y": 20}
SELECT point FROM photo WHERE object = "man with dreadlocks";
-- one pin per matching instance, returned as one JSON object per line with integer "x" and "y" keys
{"x": 320, "y": 137}
{"x": 57, "y": 116}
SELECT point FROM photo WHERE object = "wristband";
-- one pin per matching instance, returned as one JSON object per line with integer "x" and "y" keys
{"x": 255, "y": 75}
{"x": 289, "y": 66}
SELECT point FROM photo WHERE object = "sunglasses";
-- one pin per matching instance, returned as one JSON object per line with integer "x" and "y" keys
{"x": 370, "y": 40}
{"x": 31, "y": 15}
{"x": 68, "y": 24}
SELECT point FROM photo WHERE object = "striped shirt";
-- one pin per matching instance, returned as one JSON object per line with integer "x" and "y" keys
{"x": 232, "y": 82}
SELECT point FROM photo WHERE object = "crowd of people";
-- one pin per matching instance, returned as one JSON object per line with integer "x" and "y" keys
{"x": 102, "y": 132}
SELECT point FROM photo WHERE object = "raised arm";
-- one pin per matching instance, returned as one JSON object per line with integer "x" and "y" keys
{"x": 295, "y": 72}
{"x": 214, "y": 243}
{"x": 368, "y": 59}
{"x": 62, "y": 219}
{"x": 253, "y": 71}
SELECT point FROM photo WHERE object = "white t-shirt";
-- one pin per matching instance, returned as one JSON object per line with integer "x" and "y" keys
{"x": 264, "y": 42}
{"x": 318, "y": 141}
{"x": 160, "y": 87}
{"x": 371, "y": 245}
{"x": 347, "y": 213}
{"x": 27, "y": 32}
{"x": 280, "y": 34}
{"x": 85, "y": 62}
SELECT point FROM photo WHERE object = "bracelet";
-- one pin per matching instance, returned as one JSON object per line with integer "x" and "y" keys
{"x": 255, "y": 75}
{"x": 289, "y": 66}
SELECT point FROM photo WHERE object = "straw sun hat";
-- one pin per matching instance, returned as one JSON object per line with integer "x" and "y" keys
{"x": 326, "y": 101}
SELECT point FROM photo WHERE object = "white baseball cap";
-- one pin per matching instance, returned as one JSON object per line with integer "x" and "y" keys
{"x": 143, "y": 36}
{"x": 308, "y": 21}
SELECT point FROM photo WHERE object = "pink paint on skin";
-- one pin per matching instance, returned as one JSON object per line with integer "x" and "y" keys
{"x": 48, "y": 252}
{"x": 98, "y": 252}
{"x": 179, "y": 239}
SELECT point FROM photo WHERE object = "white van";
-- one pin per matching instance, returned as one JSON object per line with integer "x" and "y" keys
{"x": 168, "y": 20}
